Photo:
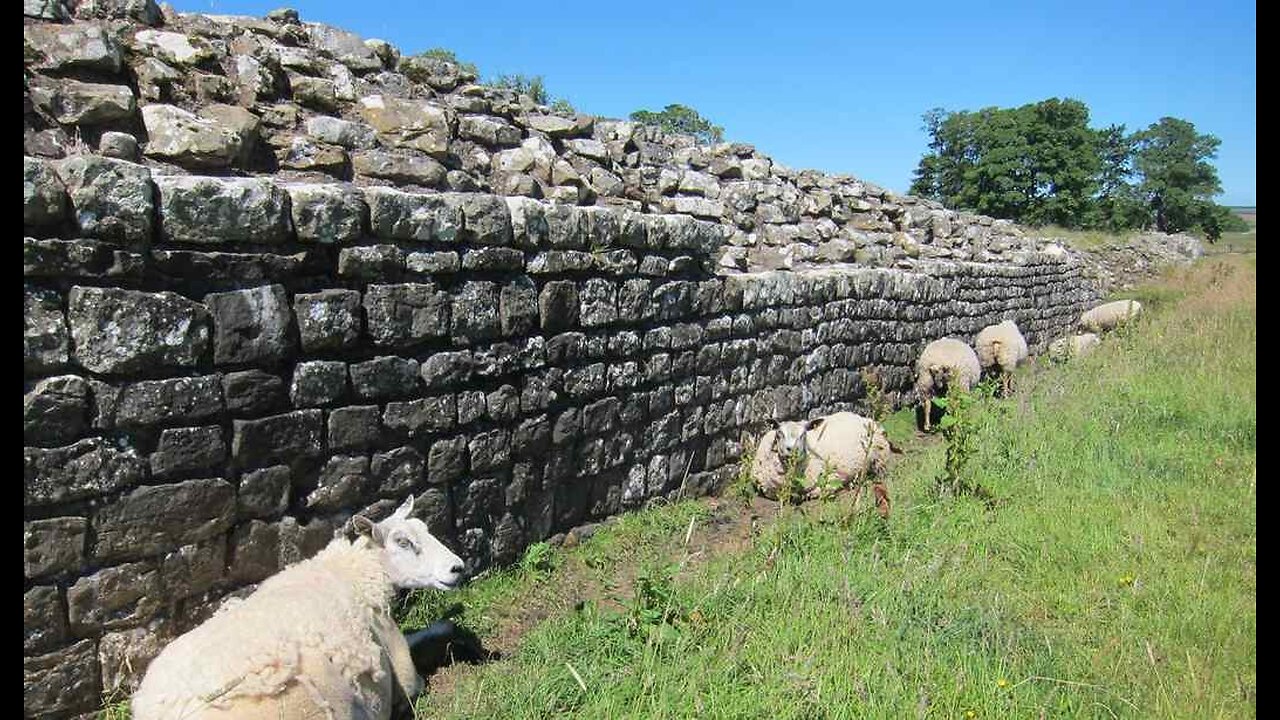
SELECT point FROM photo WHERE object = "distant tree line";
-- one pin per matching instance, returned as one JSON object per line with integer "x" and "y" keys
{"x": 1041, "y": 164}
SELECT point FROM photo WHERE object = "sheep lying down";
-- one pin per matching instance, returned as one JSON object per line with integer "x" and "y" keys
{"x": 316, "y": 640}
{"x": 843, "y": 444}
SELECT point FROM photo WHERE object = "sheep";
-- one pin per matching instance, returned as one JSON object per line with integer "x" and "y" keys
{"x": 848, "y": 446}
{"x": 1072, "y": 346}
{"x": 315, "y": 640}
{"x": 1001, "y": 348}
{"x": 943, "y": 363}
{"x": 1109, "y": 316}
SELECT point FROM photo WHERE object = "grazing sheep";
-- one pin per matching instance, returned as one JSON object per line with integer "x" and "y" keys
{"x": 1109, "y": 316}
{"x": 316, "y": 640}
{"x": 846, "y": 445}
{"x": 942, "y": 363}
{"x": 1001, "y": 348}
{"x": 1072, "y": 346}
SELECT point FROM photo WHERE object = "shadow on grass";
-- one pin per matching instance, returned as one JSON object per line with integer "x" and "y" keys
{"x": 439, "y": 645}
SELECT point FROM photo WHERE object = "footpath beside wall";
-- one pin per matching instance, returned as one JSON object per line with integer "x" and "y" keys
{"x": 240, "y": 328}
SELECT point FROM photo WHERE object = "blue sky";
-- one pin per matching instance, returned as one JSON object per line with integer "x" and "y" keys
{"x": 841, "y": 86}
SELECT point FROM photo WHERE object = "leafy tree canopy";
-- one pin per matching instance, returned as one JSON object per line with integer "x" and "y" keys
{"x": 1042, "y": 164}
{"x": 1177, "y": 180}
{"x": 682, "y": 119}
{"x": 1036, "y": 164}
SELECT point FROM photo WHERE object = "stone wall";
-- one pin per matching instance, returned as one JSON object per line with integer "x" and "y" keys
{"x": 257, "y": 300}
{"x": 1138, "y": 258}
{"x": 211, "y": 394}
{"x": 310, "y": 102}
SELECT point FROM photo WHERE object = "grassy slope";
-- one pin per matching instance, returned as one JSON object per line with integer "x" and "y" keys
{"x": 1231, "y": 242}
{"x": 1116, "y": 578}
{"x": 1086, "y": 239}
{"x": 1238, "y": 242}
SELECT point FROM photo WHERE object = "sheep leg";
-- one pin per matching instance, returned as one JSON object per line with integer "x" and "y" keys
{"x": 882, "y": 499}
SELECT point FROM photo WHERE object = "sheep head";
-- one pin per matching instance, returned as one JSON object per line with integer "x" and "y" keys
{"x": 943, "y": 376}
{"x": 413, "y": 557}
{"x": 789, "y": 438}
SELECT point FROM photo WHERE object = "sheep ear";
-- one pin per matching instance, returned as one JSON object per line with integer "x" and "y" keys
{"x": 814, "y": 423}
{"x": 402, "y": 512}
{"x": 365, "y": 526}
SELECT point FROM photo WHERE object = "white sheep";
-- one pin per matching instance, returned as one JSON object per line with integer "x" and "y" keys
{"x": 316, "y": 640}
{"x": 842, "y": 446}
{"x": 943, "y": 363}
{"x": 1001, "y": 348}
{"x": 1072, "y": 346}
{"x": 1109, "y": 316}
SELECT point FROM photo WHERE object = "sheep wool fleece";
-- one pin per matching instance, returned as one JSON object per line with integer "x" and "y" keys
{"x": 942, "y": 356}
{"x": 314, "y": 641}
{"x": 1001, "y": 345}
{"x": 1110, "y": 316}
{"x": 846, "y": 444}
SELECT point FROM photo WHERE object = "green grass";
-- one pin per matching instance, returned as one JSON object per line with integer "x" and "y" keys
{"x": 1086, "y": 239}
{"x": 115, "y": 705}
{"x": 1242, "y": 242}
{"x": 1231, "y": 242}
{"x": 1115, "y": 577}
{"x": 1238, "y": 242}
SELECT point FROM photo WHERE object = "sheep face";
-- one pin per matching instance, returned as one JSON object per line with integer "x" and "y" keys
{"x": 414, "y": 558}
{"x": 789, "y": 438}
{"x": 941, "y": 376}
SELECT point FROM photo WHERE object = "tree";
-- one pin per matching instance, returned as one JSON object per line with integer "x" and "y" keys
{"x": 1042, "y": 164}
{"x": 1064, "y": 161}
{"x": 1177, "y": 180}
{"x": 1038, "y": 163}
{"x": 682, "y": 119}
{"x": 1119, "y": 205}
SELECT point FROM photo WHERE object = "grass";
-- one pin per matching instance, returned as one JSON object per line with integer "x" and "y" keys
{"x": 1231, "y": 242}
{"x": 115, "y": 705}
{"x": 1238, "y": 242}
{"x": 1086, "y": 239}
{"x": 1234, "y": 242}
{"x": 1116, "y": 575}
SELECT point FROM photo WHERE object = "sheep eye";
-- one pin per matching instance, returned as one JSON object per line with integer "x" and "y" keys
{"x": 404, "y": 542}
